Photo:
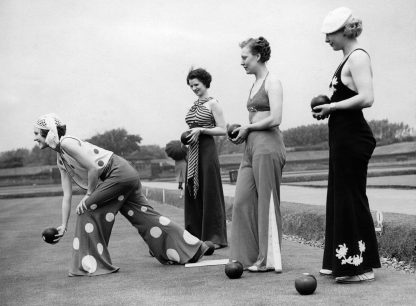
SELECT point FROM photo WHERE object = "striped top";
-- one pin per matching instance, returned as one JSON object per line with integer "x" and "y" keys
{"x": 198, "y": 116}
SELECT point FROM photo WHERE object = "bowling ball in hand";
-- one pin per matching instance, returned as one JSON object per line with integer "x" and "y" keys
{"x": 319, "y": 100}
{"x": 230, "y": 130}
{"x": 48, "y": 235}
{"x": 234, "y": 269}
{"x": 306, "y": 284}
{"x": 211, "y": 248}
{"x": 184, "y": 137}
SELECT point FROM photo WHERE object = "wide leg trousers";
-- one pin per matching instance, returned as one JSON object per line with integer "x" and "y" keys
{"x": 256, "y": 231}
{"x": 120, "y": 190}
{"x": 350, "y": 241}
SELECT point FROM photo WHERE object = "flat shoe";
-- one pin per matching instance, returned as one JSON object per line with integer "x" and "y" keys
{"x": 325, "y": 272}
{"x": 365, "y": 277}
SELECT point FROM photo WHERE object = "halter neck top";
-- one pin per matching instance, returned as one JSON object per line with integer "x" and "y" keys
{"x": 339, "y": 91}
{"x": 199, "y": 115}
{"x": 260, "y": 100}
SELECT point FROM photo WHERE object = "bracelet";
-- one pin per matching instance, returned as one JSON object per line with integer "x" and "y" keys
{"x": 331, "y": 107}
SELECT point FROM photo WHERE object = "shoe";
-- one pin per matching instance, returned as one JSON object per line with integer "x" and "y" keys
{"x": 365, "y": 277}
{"x": 198, "y": 255}
{"x": 325, "y": 272}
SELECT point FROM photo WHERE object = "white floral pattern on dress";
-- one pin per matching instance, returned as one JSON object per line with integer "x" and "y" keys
{"x": 355, "y": 260}
{"x": 332, "y": 88}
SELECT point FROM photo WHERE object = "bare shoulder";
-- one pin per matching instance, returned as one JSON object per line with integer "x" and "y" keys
{"x": 214, "y": 104}
{"x": 359, "y": 57}
{"x": 273, "y": 82}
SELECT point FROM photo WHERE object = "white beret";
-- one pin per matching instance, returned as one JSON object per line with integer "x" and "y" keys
{"x": 336, "y": 19}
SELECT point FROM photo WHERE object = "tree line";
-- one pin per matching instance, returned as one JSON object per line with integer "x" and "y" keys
{"x": 305, "y": 137}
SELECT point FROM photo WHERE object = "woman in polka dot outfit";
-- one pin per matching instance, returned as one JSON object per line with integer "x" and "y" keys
{"x": 111, "y": 185}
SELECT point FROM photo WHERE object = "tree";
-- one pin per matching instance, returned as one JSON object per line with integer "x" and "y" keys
{"x": 39, "y": 156}
{"x": 306, "y": 135}
{"x": 13, "y": 158}
{"x": 117, "y": 141}
{"x": 148, "y": 152}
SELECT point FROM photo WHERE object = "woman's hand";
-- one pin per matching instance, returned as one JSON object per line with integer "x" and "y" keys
{"x": 194, "y": 135}
{"x": 242, "y": 134}
{"x": 61, "y": 232}
{"x": 321, "y": 112}
{"x": 82, "y": 206}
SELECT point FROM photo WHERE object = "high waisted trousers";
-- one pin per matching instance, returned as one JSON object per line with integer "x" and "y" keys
{"x": 256, "y": 221}
{"x": 120, "y": 190}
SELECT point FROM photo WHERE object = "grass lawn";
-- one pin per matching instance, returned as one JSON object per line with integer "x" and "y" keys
{"x": 35, "y": 273}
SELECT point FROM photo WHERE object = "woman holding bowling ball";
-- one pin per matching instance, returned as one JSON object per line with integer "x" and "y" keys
{"x": 111, "y": 185}
{"x": 351, "y": 250}
{"x": 256, "y": 232}
{"x": 204, "y": 197}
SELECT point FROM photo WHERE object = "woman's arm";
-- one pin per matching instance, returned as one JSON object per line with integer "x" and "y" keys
{"x": 73, "y": 148}
{"x": 361, "y": 74}
{"x": 218, "y": 130}
{"x": 66, "y": 203}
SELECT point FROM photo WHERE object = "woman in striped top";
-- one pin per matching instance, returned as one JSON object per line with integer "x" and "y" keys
{"x": 204, "y": 197}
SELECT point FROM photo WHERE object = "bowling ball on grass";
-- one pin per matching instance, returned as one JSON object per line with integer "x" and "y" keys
{"x": 48, "y": 235}
{"x": 184, "y": 137}
{"x": 320, "y": 100}
{"x": 230, "y": 130}
{"x": 234, "y": 269}
{"x": 306, "y": 284}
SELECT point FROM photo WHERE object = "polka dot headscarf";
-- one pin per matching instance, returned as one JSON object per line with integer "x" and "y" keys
{"x": 50, "y": 122}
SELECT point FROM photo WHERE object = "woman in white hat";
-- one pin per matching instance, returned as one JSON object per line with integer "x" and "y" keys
{"x": 351, "y": 250}
{"x": 111, "y": 185}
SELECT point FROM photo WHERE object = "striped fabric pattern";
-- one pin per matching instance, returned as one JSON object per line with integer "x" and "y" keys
{"x": 198, "y": 116}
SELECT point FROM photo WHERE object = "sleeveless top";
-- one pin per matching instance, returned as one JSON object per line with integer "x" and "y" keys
{"x": 346, "y": 124}
{"x": 198, "y": 116}
{"x": 76, "y": 171}
{"x": 260, "y": 101}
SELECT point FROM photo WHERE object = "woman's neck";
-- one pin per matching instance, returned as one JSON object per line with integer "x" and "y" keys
{"x": 349, "y": 47}
{"x": 204, "y": 96}
{"x": 261, "y": 72}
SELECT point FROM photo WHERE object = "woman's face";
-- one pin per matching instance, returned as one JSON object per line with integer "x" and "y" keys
{"x": 197, "y": 87}
{"x": 249, "y": 61}
{"x": 336, "y": 40}
{"x": 39, "y": 138}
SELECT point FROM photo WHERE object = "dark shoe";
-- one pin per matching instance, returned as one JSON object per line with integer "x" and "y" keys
{"x": 198, "y": 255}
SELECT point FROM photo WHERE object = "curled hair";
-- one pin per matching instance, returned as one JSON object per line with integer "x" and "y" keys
{"x": 60, "y": 128}
{"x": 201, "y": 74}
{"x": 258, "y": 46}
{"x": 353, "y": 28}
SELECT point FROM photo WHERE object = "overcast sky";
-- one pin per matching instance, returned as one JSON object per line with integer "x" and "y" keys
{"x": 104, "y": 64}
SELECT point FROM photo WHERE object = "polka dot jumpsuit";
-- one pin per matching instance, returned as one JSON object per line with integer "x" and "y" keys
{"x": 119, "y": 189}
